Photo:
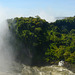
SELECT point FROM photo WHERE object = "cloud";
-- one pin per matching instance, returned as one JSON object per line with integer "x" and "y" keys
{"x": 6, "y": 13}
{"x": 6, "y": 49}
{"x": 2, "y": 14}
{"x": 47, "y": 16}
{"x": 6, "y": 52}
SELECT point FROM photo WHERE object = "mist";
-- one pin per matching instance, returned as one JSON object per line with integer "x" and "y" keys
{"x": 7, "y": 41}
{"x": 7, "y": 50}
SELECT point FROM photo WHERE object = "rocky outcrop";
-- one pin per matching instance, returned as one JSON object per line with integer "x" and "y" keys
{"x": 19, "y": 69}
{"x": 47, "y": 70}
{"x": 61, "y": 63}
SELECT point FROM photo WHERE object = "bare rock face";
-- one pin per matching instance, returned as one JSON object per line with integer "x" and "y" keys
{"x": 47, "y": 70}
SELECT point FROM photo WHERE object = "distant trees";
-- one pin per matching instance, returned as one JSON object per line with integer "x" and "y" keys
{"x": 48, "y": 42}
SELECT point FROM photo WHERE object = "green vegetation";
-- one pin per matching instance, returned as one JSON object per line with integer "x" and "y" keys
{"x": 46, "y": 42}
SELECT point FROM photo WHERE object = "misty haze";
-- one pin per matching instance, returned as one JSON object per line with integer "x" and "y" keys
{"x": 37, "y": 37}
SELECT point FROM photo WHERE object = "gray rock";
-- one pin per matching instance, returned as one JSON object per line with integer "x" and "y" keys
{"x": 61, "y": 63}
{"x": 47, "y": 70}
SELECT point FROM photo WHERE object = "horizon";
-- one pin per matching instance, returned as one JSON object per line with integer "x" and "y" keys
{"x": 47, "y": 9}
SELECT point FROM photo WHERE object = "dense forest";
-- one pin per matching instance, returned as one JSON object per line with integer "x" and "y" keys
{"x": 44, "y": 42}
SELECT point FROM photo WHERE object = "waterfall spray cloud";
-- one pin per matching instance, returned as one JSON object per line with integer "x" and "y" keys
{"x": 7, "y": 40}
{"x": 48, "y": 17}
{"x": 6, "y": 52}
{"x": 6, "y": 48}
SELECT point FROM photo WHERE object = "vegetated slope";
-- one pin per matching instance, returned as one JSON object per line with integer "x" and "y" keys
{"x": 44, "y": 42}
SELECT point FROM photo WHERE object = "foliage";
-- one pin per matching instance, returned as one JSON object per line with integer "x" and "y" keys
{"x": 47, "y": 42}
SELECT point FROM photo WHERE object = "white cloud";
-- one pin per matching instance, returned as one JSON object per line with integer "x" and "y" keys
{"x": 47, "y": 16}
{"x": 2, "y": 14}
{"x": 6, "y": 13}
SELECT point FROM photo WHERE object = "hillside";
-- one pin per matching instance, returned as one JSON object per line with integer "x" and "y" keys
{"x": 39, "y": 42}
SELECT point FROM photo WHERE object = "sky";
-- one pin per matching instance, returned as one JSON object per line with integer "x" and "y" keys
{"x": 46, "y": 9}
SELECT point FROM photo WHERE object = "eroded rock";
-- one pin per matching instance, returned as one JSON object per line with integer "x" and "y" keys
{"x": 47, "y": 70}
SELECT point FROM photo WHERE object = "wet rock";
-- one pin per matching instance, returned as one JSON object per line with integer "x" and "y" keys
{"x": 47, "y": 70}
{"x": 61, "y": 63}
